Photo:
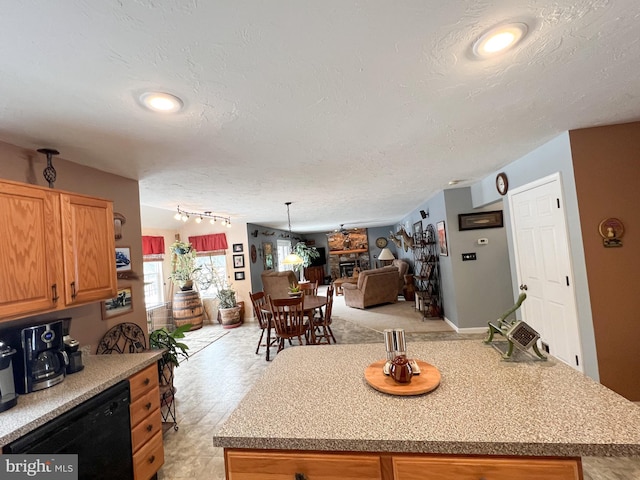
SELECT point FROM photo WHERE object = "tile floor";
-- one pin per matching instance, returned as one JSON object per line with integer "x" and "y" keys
{"x": 213, "y": 381}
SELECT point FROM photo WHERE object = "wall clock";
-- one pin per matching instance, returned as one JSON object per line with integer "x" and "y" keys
{"x": 253, "y": 253}
{"x": 381, "y": 242}
{"x": 502, "y": 184}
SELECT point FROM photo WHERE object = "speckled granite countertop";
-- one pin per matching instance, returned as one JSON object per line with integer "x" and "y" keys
{"x": 100, "y": 372}
{"x": 316, "y": 398}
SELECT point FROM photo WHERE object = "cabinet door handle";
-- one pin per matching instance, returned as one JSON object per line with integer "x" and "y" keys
{"x": 152, "y": 458}
{"x": 147, "y": 381}
{"x": 73, "y": 290}
{"x": 148, "y": 406}
{"x": 149, "y": 427}
{"x": 300, "y": 476}
{"x": 54, "y": 292}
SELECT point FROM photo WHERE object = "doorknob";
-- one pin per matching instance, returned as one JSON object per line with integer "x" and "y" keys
{"x": 523, "y": 287}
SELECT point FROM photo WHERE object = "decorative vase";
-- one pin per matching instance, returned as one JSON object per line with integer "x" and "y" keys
{"x": 230, "y": 317}
{"x": 186, "y": 285}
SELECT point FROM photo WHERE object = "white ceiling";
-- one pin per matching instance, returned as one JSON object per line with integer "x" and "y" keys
{"x": 356, "y": 111}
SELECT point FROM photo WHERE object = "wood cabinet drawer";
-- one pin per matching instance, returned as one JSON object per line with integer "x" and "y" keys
{"x": 143, "y": 381}
{"x": 148, "y": 460}
{"x": 146, "y": 429}
{"x": 492, "y": 468}
{"x": 146, "y": 404}
{"x": 244, "y": 465}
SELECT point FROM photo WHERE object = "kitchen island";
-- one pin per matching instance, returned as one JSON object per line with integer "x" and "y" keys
{"x": 313, "y": 403}
{"x": 100, "y": 373}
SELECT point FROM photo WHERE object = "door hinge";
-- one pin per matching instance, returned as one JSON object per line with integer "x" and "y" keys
{"x": 567, "y": 277}
{"x": 558, "y": 202}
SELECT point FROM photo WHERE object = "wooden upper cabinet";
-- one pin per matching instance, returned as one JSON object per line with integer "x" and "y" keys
{"x": 31, "y": 259}
{"x": 88, "y": 246}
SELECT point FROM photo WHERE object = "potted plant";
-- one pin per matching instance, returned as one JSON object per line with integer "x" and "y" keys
{"x": 307, "y": 254}
{"x": 228, "y": 308}
{"x": 183, "y": 265}
{"x": 174, "y": 350}
{"x": 294, "y": 290}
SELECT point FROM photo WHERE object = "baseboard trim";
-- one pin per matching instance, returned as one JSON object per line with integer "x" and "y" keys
{"x": 465, "y": 330}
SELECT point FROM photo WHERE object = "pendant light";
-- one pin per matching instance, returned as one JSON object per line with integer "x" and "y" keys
{"x": 292, "y": 258}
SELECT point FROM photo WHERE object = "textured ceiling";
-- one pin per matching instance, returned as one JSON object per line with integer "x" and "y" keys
{"x": 355, "y": 111}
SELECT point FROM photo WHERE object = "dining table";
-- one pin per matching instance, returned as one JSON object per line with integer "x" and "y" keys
{"x": 311, "y": 303}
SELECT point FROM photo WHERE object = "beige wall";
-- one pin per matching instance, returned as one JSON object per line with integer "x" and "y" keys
{"x": 26, "y": 166}
{"x": 607, "y": 168}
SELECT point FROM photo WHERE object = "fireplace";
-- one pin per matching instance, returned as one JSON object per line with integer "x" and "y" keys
{"x": 346, "y": 268}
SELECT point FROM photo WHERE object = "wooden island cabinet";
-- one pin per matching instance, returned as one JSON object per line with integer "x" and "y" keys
{"x": 252, "y": 465}
{"x": 488, "y": 419}
{"x": 58, "y": 250}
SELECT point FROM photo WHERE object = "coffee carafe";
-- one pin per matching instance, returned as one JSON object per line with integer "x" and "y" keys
{"x": 8, "y": 395}
{"x": 71, "y": 347}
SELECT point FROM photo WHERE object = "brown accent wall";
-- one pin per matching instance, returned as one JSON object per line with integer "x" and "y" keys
{"x": 24, "y": 165}
{"x": 607, "y": 173}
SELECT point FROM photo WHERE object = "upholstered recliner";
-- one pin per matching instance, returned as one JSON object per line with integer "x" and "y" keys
{"x": 276, "y": 284}
{"x": 403, "y": 269}
{"x": 374, "y": 287}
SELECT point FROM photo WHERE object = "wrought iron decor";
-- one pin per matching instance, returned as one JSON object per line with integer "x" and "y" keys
{"x": 49, "y": 172}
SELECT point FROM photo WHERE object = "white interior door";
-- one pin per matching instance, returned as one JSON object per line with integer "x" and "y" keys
{"x": 544, "y": 268}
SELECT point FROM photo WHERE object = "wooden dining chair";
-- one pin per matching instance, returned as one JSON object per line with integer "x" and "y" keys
{"x": 287, "y": 317}
{"x": 309, "y": 288}
{"x": 322, "y": 325}
{"x": 262, "y": 312}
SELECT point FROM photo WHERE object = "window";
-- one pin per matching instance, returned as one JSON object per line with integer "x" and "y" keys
{"x": 210, "y": 262}
{"x": 153, "y": 291}
{"x": 284, "y": 249}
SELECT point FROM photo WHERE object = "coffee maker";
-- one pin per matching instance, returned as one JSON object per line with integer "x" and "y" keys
{"x": 71, "y": 347}
{"x": 42, "y": 361}
{"x": 8, "y": 395}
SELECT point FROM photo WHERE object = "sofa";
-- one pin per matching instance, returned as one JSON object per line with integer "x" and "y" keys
{"x": 276, "y": 284}
{"x": 374, "y": 287}
{"x": 403, "y": 269}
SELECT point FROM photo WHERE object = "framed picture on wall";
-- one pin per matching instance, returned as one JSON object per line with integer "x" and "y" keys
{"x": 237, "y": 247}
{"x": 238, "y": 275}
{"x": 417, "y": 231}
{"x": 123, "y": 259}
{"x": 238, "y": 261}
{"x": 121, "y": 304}
{"x": 475, "y": 221}
{"x": 442, "y": 239}
{"x": 267, "y": 255}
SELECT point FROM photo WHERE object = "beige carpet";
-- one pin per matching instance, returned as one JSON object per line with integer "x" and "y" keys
{"x": 393, "y": 315}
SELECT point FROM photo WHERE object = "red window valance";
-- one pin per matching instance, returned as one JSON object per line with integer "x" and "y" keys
{"x": 152, "y": 245}
{"x": 209, "y": 243}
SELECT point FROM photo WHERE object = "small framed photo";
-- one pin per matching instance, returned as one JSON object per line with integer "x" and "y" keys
{"x": 238, "y": 261}
{"x": 237, "y": 247}
{"x": 238, "y": 275}
{"x": 442, "y": 239}
{"x": 417, "y": 231}
{"x": 121, "y": 304}
{"x": 475, "y": 221}
{"x": 123, "y": 259}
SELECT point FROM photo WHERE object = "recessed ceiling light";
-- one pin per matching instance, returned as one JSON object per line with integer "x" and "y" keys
{"x": 499, "y": 39}
{"x": 161, "y": 102}
{"x": 454, "y": 182}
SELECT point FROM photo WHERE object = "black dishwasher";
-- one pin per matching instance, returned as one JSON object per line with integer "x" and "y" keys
{"x": 98, "y": 431}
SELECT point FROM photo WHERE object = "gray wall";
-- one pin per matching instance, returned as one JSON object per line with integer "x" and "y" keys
{"x": 473, "y": 292}
{"x": 554, "y": 156}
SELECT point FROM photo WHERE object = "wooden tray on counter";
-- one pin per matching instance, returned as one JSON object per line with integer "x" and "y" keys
{"x": 428, "y": 380}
